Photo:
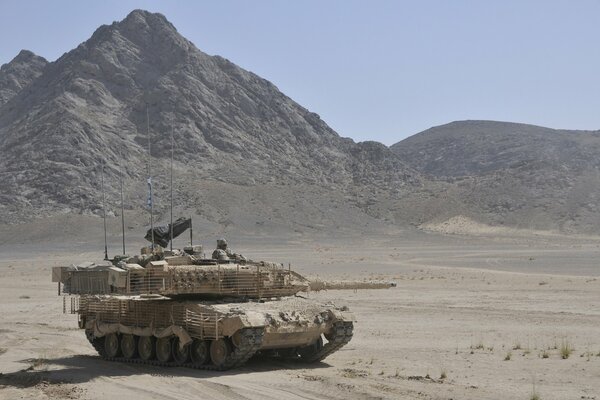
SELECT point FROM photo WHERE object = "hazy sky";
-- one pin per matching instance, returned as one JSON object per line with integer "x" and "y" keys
{"x": 373, "y": 70}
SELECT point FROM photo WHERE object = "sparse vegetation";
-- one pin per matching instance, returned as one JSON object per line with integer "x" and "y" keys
{"x": 534, "y": 393}
{"x": 2, "y": 350}
{"x": 566, "y": 349}
{"x": 37, "y": 363}
{"x": 545, "y": 354}
{"x": 508, "y": 356}
{"x": 517, "y": 346}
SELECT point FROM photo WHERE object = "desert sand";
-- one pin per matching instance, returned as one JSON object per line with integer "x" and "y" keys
{"x": 472, "y": 317}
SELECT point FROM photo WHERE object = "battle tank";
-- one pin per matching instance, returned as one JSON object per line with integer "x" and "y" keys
{"x": 177, "y": 308}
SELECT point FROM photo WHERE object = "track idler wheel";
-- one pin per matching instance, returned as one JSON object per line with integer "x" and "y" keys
{"x": 129, "y": 346}
{"x": 146, "y": 348}
{"x": 220, "y": 350}
{"x": 112, "y": 346}
{"x": 199, "y": 352}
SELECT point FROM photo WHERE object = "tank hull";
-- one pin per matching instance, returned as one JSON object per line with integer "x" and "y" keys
{"x": 293, "y": 327}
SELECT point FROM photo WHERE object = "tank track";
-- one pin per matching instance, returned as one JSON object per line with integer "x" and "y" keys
{"x": 341, "y": 334}
{"x": 252, "y": 340}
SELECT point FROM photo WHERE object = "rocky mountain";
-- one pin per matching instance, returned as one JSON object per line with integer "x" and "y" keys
{"x": 248, "y": 158}
{"x": 243, "y": 150}
{"x": 515, "y": 174}
{"x": 19, "y": 73}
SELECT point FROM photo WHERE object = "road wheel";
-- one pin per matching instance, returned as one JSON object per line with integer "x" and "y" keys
{"x": 199, "y": 352}
{"x": 220, "y": 349}
{"x": 129, "y": 346}
{"x": 111, "y": 345}
{"x": 146, "y": 348}
{"x": 181, "y": 355}
{"x": 163, "y": 349}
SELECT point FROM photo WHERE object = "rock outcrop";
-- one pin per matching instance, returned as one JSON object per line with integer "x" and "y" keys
{"x": 19, "y": 73}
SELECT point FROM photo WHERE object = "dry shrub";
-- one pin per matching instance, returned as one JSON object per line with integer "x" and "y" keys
{"x": 566, "y": 349}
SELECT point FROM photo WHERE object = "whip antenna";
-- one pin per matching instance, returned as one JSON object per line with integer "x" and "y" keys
{"x": 122, "y": 202}
{"x": 104, "y": 210}
{"x": 191, "y": 232}
{"x": 171, "y": 233}
{"x": 150, "y": 202}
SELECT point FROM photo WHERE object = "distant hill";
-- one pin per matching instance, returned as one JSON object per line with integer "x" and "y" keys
{"x": 515, "y": 174}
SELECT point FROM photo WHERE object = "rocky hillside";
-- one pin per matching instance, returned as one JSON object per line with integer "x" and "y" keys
{"x": 240, "y": 144}
{"x": 515, "y": 174}
{"x": 19, "y": 73}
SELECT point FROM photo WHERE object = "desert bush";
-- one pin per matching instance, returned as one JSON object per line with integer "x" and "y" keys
{"x": 566, "y": 349}
{"x": 37, "y": 363}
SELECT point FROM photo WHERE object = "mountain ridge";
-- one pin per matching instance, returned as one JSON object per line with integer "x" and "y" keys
{"x": 18, "y": 73}
{"x": 89, "y": 108}
{"x": 249, "y": 157}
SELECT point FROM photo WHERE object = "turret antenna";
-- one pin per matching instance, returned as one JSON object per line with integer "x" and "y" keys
{"x": 104, "y": 210}
{"x": 191, "y": 232}
{"x": 171, "y": 233}
{"x": 122, "y": 201}
{"x": 150, "y": 200}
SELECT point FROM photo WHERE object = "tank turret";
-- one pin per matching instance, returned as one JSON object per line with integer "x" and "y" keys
{"x": 176, "y": 273}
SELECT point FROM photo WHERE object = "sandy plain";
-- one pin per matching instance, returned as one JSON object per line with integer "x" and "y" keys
{"x": 472, "y": 317}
